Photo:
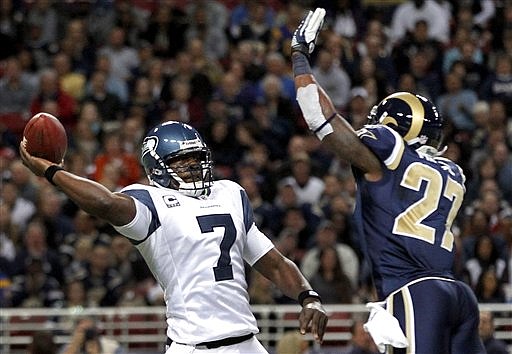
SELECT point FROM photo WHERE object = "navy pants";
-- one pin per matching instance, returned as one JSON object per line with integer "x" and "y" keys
{"x": 437, "y": 316}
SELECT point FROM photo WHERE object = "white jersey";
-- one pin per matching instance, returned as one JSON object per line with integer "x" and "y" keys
{"x": 196, "y": 249}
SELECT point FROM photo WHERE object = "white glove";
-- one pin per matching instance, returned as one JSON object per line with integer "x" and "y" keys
{"x": 304, "y": 37}
{"x": 384, "y": 328}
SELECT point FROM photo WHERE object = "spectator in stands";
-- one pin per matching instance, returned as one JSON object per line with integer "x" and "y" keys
{"x": 406, "y": 15}
{"x": 125, "y": 165}
{"x": 12, "y": 31}
{"x": 143, "y": 98}
{"x": 128, "y": 261}
{"x": 426, "y": 76}
{"x": 487, "y": 256}
{"x": 330, "y": 279}
{"x": 132, "y": 133}
{"x": 326, "y": 237}
{"x": 457, "y": 103}
{"x": 282, "y": 35}
{"x": 261, "y": 290}
{"x": 473, "y": 72}
{"x": 333, "y": 77}
{"x": 506, "y": 224}
{"x": 417, "y": 41}
{"x": 287, "y": 241}
{"x": 208, "y": 22}
{"x": 87, "y": 339}
{"x": 102, "y": 282}
{"x": 86, "y": 230}
{"x": 33, "y": 287}
{"x": 43, "y": 15}
{"x": 191, "y": 68}
{"x": 109, "y": 101}
{"x": 292, "y": 342}
{"x": 85, "y": 138}
{"x": 16, "y": 91}
{"x": 358, "y": 107}
{"x": 360, "y": 340}
{"x": 50, "y": 211}
{"x": 190, "y": 108}
{"x": 35, "y": 247}
{"x": 477, "y": 224}
{"x": 122, "y": 57}
{"x": 275, "y": 64}
{"x": 280, "y": 109}
{"x": 309, "y": 188}
{"x": 255, "y": 26}
{"x": 485, "y": 170}
{"x": 273, "y": 129}
{"x": 502, "y": 158}
{"x": 333, "y": 188}
{"x": 366, "y": 75}
{"x": 373, "y": 47}
{"x": 165, "y": 31}
{"x": 346, "y": 18}
{"x": 8, "y": 235}
{"x": 498, "y": 84}
{"x": 489, "y": 289}
{"x": 460, "y": 44}
{"x": 76, "y": 43}
{"x": 486, "y": 329}
{"x": 263, "y": 210}
{"x": 72, "y": 82}
{"x": 49, "y": 90}
{"x": 21, "y": 209}
{"x": 21, "y": 177}
{"x": 75, "y": 295}
{"x": 43, "y": 342}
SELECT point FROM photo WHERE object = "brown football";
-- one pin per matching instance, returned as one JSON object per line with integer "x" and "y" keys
{"x": 45, "y": 137}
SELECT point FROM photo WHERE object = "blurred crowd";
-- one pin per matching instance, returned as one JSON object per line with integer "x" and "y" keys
{"x": 110, "y": 70}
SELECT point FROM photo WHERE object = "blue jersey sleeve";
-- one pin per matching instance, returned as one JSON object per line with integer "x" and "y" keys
{"x": 384, "y": 142}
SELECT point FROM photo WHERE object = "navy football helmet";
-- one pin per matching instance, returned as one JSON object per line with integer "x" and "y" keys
{"x": 172, "y": 141}
{"x": 414, "y": 117}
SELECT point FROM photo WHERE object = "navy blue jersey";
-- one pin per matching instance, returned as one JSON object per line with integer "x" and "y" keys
{"x": 406, "y": 216}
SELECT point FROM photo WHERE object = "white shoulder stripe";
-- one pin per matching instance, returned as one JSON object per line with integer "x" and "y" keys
{"x": 396, "y": 155}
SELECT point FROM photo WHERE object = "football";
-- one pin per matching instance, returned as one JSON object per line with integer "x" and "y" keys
{"x": 45, "y": 137}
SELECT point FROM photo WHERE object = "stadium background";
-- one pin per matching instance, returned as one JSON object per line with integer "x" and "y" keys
{"x": 112, "y": 69}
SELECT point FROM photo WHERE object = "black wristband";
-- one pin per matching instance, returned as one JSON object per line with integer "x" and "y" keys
{"x": 307, "y": 293}
{"x": 51, "y": 171}
{"x": 300, "y": 64}
{"x": 327, "y": 121}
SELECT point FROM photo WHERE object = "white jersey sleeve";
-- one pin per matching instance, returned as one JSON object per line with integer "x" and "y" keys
{"x": 137, "y": 229}
{"x": 257, "y": 245}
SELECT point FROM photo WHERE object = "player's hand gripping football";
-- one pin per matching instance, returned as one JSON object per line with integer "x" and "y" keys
{"x": 305, "y": 36}
{"x": 313, "y": 316}
{"x": 36, "y": 164}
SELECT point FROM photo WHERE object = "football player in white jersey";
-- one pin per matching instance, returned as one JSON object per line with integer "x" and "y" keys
{"x": 195, "y": 235}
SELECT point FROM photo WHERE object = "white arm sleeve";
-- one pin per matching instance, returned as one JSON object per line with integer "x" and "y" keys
{"x": 257, "y": 245}
{"x": 309, "y": 102}
{"x": 138, "y": 228}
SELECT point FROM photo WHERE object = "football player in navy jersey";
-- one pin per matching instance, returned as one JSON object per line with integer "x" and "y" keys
{"x": 195, "y": 235}
{"x": 407, "y": 198}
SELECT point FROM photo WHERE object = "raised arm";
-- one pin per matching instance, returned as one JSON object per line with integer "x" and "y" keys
{"x": 116, "y": 208}
{"x": 317, "y": 108}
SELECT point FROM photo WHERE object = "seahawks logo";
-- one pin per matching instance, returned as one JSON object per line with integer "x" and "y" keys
{"x": 149, "y": 145}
